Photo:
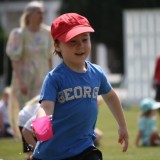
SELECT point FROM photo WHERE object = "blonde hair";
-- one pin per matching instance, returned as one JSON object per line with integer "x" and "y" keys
{"x": 6, "y": 91}
{"x": 30, "y": 8}
{"x": 33, "y": 101}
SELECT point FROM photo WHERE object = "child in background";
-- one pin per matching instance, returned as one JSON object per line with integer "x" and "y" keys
{"x": 69, "y": 93}
{"x": 25, "y": 116}
{"x": 5, "y": 128}
{"x": 147, "y": 127}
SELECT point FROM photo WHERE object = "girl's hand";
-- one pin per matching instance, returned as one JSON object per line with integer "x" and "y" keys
{"x": 123, "y": 138}
{"x": 42, "y": 128}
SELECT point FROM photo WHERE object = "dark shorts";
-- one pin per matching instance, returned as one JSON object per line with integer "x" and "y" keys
{"x": 26, "y": 146}
{"x": 91, "y": 153}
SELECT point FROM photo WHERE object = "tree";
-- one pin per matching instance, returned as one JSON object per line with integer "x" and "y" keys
{"x": 2, "y": 41}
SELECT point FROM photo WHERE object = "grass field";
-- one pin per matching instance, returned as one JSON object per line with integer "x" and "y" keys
{"x": 11, "y": 149}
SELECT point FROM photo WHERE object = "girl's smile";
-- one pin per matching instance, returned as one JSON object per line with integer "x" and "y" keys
{"x": 75, "y": 51}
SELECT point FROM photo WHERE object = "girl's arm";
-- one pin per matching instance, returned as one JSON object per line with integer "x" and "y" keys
{"x": 46, "y": 108}
{"x": 114, "y": 105}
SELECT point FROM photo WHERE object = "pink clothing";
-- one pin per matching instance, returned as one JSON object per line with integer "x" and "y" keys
{"x": 157, "y": 72}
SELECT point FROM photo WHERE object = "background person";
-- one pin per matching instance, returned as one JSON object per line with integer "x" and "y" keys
{"x": 147, "y": 126}
{"x": 29, "y": 48}
{"x": 5, "y": 128}
{"x": 26, "y": 115}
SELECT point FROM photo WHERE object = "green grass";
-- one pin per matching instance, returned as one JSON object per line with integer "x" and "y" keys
{"x": 12, "y": 150}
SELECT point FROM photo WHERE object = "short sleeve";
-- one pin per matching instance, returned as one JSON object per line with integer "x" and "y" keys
{"x": 49, "y": 88}
{"x": 105, "y": 86}
{"x": 15, "y": 44}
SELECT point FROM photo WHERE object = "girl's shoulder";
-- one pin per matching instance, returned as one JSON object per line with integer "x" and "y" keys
{"x": 58, "y": 71}
{"x": 94, "y": 67}
{"x": 92, "y": 64}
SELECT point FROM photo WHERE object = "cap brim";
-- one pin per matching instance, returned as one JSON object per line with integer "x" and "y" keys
{"x": 156, "y": 105}
{"x": 74, "y": 32}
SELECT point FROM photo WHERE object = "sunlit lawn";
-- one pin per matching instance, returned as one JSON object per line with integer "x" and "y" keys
{"x": 12, "y": 150}
{"x": 112, "y": 149}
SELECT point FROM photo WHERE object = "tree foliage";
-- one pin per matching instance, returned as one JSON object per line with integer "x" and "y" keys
{"x": 2, "y": 41}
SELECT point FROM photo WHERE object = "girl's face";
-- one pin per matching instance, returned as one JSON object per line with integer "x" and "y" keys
{"x": 75, "y": 51}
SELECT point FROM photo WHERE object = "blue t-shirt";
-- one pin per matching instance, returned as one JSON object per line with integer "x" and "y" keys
{"x": 75, "y": 112}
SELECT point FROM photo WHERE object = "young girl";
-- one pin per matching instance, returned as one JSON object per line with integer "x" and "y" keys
{"x": 147, "y": 126}
{"x": 69, "y": 93}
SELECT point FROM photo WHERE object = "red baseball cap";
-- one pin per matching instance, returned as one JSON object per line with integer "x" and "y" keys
{"x": 69, "y": 25}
